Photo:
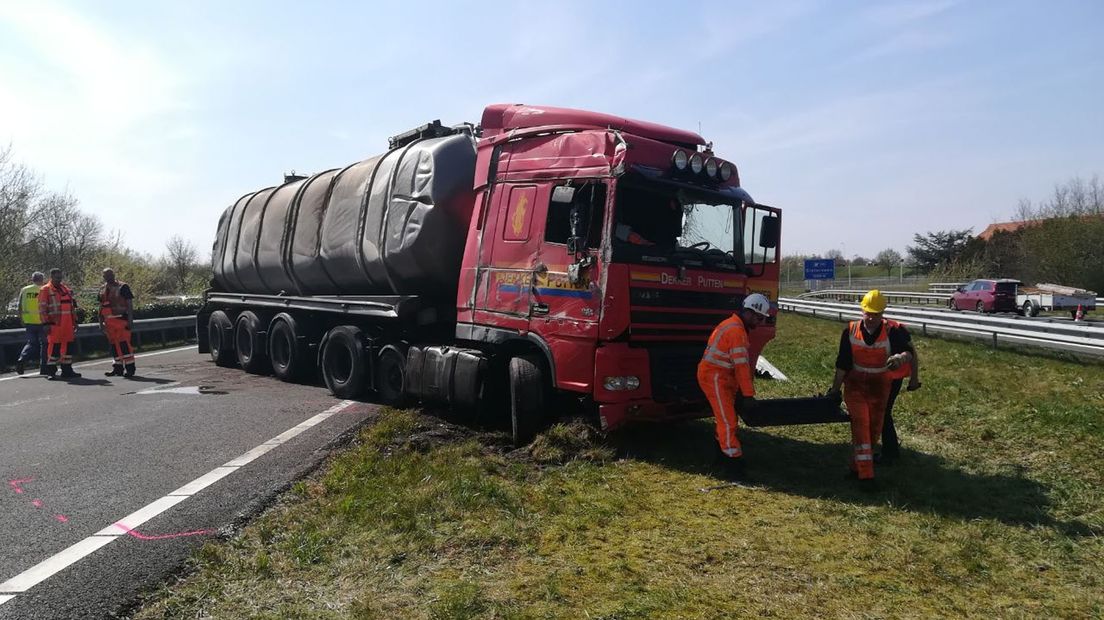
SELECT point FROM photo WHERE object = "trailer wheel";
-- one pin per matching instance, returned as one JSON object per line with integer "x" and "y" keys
{"x": 287, "y": 355}
{"x": 220, "y": 338}
{"x": 344, "y": 364}
{"x": 249, "y": 343}
{"x": 527, "y": 397}
{"x": 1030, "y": 309}
{"x": 391, "y": 376}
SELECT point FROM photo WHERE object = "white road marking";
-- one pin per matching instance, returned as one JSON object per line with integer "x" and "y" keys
{"x": 33, "y": 371}
{"x": 59, "y": 561}
{"x": 47, "y": 568}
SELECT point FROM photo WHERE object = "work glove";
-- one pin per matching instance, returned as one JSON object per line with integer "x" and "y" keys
{"x": 834, "y": 394}
{"x": 913, "y": 385}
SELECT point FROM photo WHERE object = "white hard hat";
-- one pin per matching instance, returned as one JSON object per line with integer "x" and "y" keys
{"x": 758, "y": 303}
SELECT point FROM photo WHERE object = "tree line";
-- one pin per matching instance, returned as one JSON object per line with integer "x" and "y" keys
{"x": 41, "y": 229}
{"x": 1061, "y": 241}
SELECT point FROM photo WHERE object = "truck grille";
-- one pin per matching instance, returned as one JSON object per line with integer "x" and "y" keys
{"x": 675, "y": 373}
{"x": 659, "y": 315}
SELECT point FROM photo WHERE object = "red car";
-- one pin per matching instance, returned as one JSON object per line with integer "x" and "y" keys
{"x": 986, "y": 296}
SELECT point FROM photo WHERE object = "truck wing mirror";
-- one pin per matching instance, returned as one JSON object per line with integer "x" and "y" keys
{"x": 769, "y": 232}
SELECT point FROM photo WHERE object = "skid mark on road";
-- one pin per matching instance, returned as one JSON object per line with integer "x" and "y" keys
{"x": 128, "y": 524}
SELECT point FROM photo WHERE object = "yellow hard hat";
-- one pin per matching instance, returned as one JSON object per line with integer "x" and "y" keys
{"x": 873, "y": 302}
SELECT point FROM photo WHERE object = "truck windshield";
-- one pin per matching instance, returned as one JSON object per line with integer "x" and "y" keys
{"x": 663, "y": 224}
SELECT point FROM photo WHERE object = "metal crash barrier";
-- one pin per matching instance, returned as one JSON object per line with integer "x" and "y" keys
{"x": 162, "y": 329}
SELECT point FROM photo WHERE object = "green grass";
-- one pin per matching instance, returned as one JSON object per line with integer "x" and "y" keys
{"x": 995, "y": 511}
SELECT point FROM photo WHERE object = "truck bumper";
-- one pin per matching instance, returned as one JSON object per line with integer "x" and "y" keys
{"x": 614, "y": 415}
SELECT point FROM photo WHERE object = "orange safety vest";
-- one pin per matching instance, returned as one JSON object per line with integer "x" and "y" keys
{"x": 112, "y": 304}
{"x": 869, "y": 360}
{"x": 727, "y": 353}
{"x": 54, "y": 303}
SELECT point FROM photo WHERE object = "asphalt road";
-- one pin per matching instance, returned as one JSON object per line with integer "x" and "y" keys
{"x": 108, "y": 484}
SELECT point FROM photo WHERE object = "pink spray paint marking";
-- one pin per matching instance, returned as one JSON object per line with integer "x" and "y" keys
{"x": 140, "y": 536}
{"x": 16, "y": 485}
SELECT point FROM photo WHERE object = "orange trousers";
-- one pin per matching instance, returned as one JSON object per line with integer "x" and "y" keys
{"x": 720, "y": 389}
{"x": 58, "y": 341}
{"x": 866, "y": 400}
{"x": 117, "y": 331}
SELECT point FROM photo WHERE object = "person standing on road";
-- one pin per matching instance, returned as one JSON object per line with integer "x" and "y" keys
{"x": 724, "y": 374}
{"x": 872, "y": 353}
{"x": 117, "y": 321}
{"x": 56, "y": 307}
{"x": 32, "y": 322}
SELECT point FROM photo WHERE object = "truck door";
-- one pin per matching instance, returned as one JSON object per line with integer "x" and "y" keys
{"x": 566, "y": 278}
{"x": 509, "y": 257}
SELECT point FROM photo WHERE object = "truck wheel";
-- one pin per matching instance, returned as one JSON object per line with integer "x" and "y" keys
{"x": 288, "y": 357}
{"x": 220, "y": 337}
{"x": 527, "y": 397}
{"x": 391, "y": 376}
{"x": 344, "y": 364}
{"x": 249, "y": 343}
{"x": 1029, "y": 309}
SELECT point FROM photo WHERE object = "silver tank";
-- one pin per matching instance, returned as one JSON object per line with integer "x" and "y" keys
{"x": 390, "y": 225}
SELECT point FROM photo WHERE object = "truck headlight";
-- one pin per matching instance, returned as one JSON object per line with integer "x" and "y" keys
{"x": 696, "y": 163}
{"x": 726, "y": 171}
{"x": 711, "y": 168}
{"x": 680, "y": 159}
{"x": 621, "y": 384}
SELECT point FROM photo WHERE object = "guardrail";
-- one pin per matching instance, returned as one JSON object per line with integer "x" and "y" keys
{"x": 1046, "y": 333}
{"x": 161, "y": 327}
{"x": 910, "y": 296}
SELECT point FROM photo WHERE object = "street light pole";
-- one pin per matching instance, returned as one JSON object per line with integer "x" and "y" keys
{"x": 849, "y": 261}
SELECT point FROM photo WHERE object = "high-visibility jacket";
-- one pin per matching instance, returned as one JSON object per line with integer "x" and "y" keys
{"x": 28, "y": 300}
{"x": 727, "y": 354}
{"x": 55, "y": 304}
{"x": 112, "y": 303}
{"x": 870, "y": 359}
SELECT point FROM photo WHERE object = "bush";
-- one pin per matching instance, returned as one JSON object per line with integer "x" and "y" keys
{"x": 156, "y": 310}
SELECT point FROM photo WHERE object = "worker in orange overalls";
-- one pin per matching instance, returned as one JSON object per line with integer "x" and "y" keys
{"x": 117, "y": 321}
{"x": 725, "y": 374}
{"x": 873, "y": 353}
{"x": 56, "y": 307}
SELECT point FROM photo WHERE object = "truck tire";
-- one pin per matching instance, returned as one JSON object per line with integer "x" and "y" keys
{"x": 391, "y": 376}
{"x": 249, "y": 343}
{"x": 528, "y": 396}
{"x": 220, "y": 337}
{"x": 1030, "y": 309}
{"x": 285, "y": 351}
{"x": 344, "y": 363}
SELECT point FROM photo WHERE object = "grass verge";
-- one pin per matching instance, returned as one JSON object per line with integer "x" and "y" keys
{"x": 994, "y": 511}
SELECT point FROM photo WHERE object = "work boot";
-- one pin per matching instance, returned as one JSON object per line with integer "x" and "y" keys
{"x": 48, "y": 370}
{"x": 116, "y": 371}
{"x": 129, "y": 371}
{"x": 734, "y": 469}
{"x": 19, "y": 367}
{"x": 886, "y": 458}
{"x": 67, "y": 372}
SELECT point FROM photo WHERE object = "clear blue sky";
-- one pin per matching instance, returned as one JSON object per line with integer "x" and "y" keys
{"x": 865, "y": 121}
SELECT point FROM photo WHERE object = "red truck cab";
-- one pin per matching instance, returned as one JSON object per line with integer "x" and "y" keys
{"x": 612, "y": 247}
